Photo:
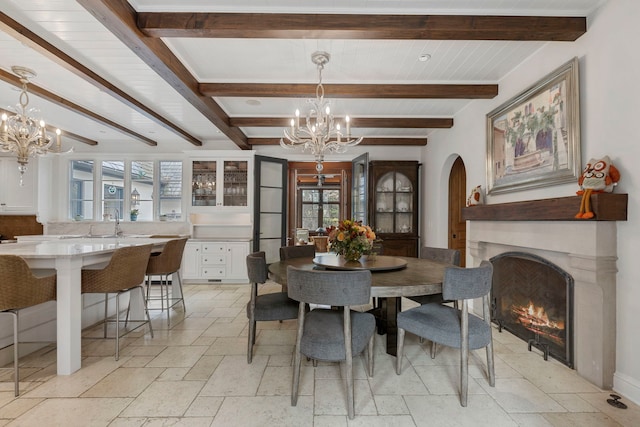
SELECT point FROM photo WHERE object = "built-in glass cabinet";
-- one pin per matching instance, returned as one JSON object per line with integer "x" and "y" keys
{"x": 394, "y": 205}
{"x": 219, "y": 183}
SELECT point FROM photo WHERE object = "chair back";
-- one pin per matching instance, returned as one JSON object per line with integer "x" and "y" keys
{"x": 125, "y": 270}
{"x": 467, "y": 283}
{"x": 169, "y": 260}
{"x": 257, "y": 267}
{"x": 302, "y": 251}
{"x": 450, "y": 256}
{"x": 335, "y": 288}
{"x": 19, "y": 288}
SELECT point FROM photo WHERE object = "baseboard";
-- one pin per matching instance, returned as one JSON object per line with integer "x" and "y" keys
{"x": 627, "y": 387}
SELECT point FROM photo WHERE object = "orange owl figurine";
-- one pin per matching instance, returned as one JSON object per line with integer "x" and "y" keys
{"x": 598, "y": 176}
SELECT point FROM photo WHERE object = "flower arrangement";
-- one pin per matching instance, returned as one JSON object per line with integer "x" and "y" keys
{"x": 134, "y": 212}
{"x": 351, "y": 239}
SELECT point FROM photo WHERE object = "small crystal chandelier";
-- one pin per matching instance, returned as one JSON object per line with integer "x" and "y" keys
{"x": 24, "y": 135}
{"x": 321, "y": 134}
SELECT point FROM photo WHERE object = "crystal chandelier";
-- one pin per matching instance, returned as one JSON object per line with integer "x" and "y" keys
{"x": 24, "y": 135}
{"x": 321, "y": 133}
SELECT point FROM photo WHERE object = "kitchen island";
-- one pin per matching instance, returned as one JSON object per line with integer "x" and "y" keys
{"x": 68, "y": 256}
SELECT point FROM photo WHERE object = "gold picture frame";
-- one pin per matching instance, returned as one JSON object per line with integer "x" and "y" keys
{"x": 533, "y": 140}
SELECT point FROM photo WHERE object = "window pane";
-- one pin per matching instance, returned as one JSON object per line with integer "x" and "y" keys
{"x": 170, "y": 203}
{"x": 331, "y": 196}
{"x": 81, "y": 190}
{"x": 113, "y": 188}
{"x": 310, "y": 216}
{"x": 142, "y": 189}
{"x": 331, "y": 215}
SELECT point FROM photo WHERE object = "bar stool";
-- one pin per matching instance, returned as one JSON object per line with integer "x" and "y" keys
{"x": 163, "y": 264}
{"x": 123, "y": 273}
{"x": 19, "y": 289}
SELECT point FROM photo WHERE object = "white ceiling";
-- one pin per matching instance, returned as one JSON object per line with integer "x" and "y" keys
{"x": 69, "y": 27}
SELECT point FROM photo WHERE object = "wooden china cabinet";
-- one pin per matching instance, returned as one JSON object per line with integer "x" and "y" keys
{"x": 394, "y": 205}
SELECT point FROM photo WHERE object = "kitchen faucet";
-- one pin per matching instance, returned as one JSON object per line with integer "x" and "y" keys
{"x": 117, "y": 231}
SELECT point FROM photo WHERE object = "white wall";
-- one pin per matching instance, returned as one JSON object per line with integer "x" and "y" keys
{"x": 610, "y": 108}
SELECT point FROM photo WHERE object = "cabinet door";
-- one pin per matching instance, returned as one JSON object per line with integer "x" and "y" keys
{"x": 237, "y": 260}
{"x": 394, "y": 205}
{"x": 15, "y": 198}
{"x": 222, "y": 184}
{"x": 235, "y": 183}
{"x": 204, "y": 180}
{"x": 191, "y": 261}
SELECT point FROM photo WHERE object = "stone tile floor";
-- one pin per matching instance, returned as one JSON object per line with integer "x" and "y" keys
{"x": 195, "y": 374}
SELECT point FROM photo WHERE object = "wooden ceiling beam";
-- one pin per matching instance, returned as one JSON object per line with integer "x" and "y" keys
{"x": 352, "y": 26}
{"x": 369, "y": 91}
{"x": 26, "y": 36}
{"x": 395, "y": 141}
{"x": 120, "y": 18}
{"x": 356, "y": 122}
{"x": 78, "y": 109}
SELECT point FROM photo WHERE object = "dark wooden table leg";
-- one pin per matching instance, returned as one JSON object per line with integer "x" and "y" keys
{"x": 391, "y": 316}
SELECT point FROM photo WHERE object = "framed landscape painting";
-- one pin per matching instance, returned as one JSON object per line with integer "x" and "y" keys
{"x": 533, "y": 140}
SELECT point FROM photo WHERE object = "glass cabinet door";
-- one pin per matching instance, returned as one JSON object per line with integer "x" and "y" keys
{"x": 203, "y": 183}
{"x": 403, "y": 204}
{"x": 359, "y": 173}
{"x": 394, "y": 204}
{"x": 235, "y": 183}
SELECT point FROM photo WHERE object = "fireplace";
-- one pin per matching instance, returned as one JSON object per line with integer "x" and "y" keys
{"x": 532, "y": 298}
{"x": 586, "y": 250}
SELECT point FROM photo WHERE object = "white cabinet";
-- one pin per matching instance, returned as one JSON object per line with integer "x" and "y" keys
{"x": 220, "y": 183}
{"x": 215, "y": 262}
{"x": 13, "y": 197}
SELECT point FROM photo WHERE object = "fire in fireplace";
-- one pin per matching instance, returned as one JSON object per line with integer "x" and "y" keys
{"x": 533, "y": 299}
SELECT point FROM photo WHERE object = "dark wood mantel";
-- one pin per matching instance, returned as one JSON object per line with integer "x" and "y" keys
{"x": 605, "y": 206}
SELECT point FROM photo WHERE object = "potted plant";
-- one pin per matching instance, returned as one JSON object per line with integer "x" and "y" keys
{"x": 351, "y": 239}
{"x": 134, "y": 214}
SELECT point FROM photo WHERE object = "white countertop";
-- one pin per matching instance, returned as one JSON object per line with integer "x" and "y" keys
{"x": 48, "y": 246}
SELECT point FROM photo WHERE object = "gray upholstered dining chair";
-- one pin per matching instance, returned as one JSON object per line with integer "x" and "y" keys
{"x": 272, "y": 306}
{"x": 453, "y": 327}
{"x": 449, "y": 256}
{"x": 301, "y": 251}
{"x": 322, "y": 333}
{"x": 21, "y": 288}
{"x": 124, "y": 272}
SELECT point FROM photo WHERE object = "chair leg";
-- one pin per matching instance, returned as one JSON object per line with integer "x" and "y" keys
{"x": 434, "y": 347}
{"x": 117, "y": 326}
{"x": 399, "y": 351}
{"x": 16, "y": 352}
{"x": 179, "y": 277}
{"x": 251, "y": 339}
{"x": 464, "y": 354}
{"x": 146, "y": 311}
{"x": 165, "y": 283}
{"x": 370, "y": 356}
{"x": 490, "y": 364}
{"x": 297, "y": 358}
{"x": 106, "y": 313}
{"x": 350, "y": 394}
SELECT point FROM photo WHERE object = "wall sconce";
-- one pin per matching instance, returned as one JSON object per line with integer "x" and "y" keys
{"x": 135, "y": 198}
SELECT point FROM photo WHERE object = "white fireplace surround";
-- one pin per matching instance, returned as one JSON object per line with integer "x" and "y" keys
{"x": 588, "y": 252}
